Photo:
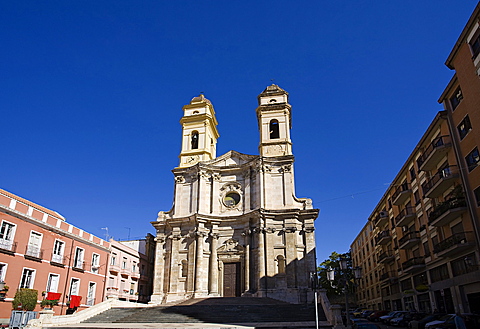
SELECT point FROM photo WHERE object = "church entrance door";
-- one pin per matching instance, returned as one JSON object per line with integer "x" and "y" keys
{"x": 231, "y": 280}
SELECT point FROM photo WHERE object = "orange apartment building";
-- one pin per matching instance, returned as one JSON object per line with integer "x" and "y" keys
{"x": 40, "y": 250}
{"x": 425, "y": 229}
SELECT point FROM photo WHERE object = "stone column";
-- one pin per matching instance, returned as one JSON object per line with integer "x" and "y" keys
{"x": 174, "y": 263}
{"x": 246, "y": 235}
{"x": 291, "y": 255}
{"x": 201, "y": 275}
{"x": 158, "y": 281}
{"x": 213, "y": 277}
{"x": 261, "y": 261}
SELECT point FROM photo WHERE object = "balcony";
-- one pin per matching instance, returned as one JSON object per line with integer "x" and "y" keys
{"x": 381, "y": 219}
{"x": 33, "y": 253}
{"x": 414, "y": 264}
{"x": 405, "y": 216}
{"x": 401, "y": 194}
{"x": 409, "y": 240}
{"x": 114, "y": 268}
{"x": 440, "y": 182}
{"x": 388, "y": 278}
{"x": 58, "y": 259}
{"x": 447, "y": 211}
{"x": 434, "y": 153}
{"x": 385, "y": 257}
{"x": 78, "y": 265}
{"x": 454, "y": 244}
{"x": 383, "y": 238}
{"x": 8, "y": 246}
{"x": 135, "y": 275}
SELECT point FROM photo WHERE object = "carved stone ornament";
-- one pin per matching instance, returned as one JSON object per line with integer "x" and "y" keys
{"x": 230, "y": 246}
{"x": 205, "y": 175}
{"x": 179, "y": 179}
{"x": 161, "y": 217}
{"x": 216, "y": 176}
{"x": 286, "y": 168}
{"x": 231, "y": 196}
{"x": 270, "y": 230}
{"x": 290, "y": 229}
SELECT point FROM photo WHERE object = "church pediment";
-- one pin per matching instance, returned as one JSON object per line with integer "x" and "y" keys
{"x": 231, "y": 159}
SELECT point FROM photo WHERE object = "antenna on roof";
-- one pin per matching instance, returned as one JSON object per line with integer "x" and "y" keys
{"x": 128, "y": 232}
{"x": 106, "y": 233}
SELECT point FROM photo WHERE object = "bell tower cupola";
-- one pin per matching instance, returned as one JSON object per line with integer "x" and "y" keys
{"x": 274, "y": 122}
{"x": 200, "y": 134}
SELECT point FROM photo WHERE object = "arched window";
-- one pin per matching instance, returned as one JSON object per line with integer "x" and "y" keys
{"x": 194, "y": 140}
{"x": 274, "y": 131}
{"x": 280, "y": 264}
{"x": 184, "y": 268}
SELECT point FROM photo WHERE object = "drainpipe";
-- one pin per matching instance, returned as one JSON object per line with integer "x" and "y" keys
{"x": 66, "y": 278}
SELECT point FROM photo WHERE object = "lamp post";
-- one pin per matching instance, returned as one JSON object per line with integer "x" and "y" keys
{"x": 344, "y": 267}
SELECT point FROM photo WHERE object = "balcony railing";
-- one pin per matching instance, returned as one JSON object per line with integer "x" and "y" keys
{"x": 34, "y": 251}
{"x": 79, "y": 265}
{"x": 385, "y": 256}
{"x": 415, "y": 262}
{"x": 439, "y": 182}
{"x": 59, "y": 259}
{"x": 453, "y": 244}
{"x": 401, "y": 194}
{"x": 446, "y": 211}
{"x": 90, "y": 301}
{"x": 434, "y": 152}
{"x": 382, "y": 237}
{"x": 409, "y": 239}
{"x": 8, "y": 245}
{"x": 405, "y": 216}
{"x": 381, "y": 219}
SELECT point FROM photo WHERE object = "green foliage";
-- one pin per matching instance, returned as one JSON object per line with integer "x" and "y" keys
{"x": 49, "y": 303}
{"x": 336, "y": 287}
{"x": 26, "y": 299}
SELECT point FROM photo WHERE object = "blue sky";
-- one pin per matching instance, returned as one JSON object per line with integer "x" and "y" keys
{"x": 91, "y": 94}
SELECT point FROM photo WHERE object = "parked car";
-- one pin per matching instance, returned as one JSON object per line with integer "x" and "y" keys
{"x": 442, "y": 319}
{"x": 398, "y": 315}
{"x": 472, "y": 321}
{"x": 420, "y": 324}
{"x": 387, "y": 316}
{"x": 366, "y": 313}
{"x": 407, "y": 318}
{"x": 356, "y": 313}
{"x": 375, "y": 316}
{"x": 366, "y": 325}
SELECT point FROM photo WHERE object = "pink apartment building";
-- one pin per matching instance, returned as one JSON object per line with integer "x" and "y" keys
{"x": 40, "y": 250}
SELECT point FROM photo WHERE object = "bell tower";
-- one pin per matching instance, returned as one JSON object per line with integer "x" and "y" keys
{"x": 274, "y": 122}
{"x": 200, "y": 134}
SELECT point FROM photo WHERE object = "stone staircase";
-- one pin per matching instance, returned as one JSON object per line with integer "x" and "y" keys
{"x": 252, "y": 312}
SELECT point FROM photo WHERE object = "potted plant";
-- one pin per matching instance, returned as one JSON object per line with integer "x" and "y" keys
{"x": 48, "y": 304}
{"x": 27, "y": 298}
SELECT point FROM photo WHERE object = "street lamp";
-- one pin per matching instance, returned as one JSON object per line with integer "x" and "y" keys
{"x": 357, "y": 273}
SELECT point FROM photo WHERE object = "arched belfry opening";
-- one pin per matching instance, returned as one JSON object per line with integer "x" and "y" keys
{"x": 274, "y": 130}
{"x": 194, "y": 140}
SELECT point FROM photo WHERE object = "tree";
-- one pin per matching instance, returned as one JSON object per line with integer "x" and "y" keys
{"x": 337, "y": 286}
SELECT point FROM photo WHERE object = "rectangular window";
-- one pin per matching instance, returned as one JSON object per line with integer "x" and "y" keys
{"x": 439, "y": 273}
{"x": 91, "y": 293}
{"x": 78, "y": 260}
{"x": 3, "y": 271}
{"x": 475, "y": 45}
{"x": 134, "y": 267}
{"x": 113, "y": 260}
{"x": 57, "y": 253}
{"x": 412, "y": 174}
{"x": 34, "y": 244}
{"x": 477, "y": 195}
{"x": 7, "y": 232}
{"x": 464, "y": 127}
{"x": 95, "y": 263}
{"x": 124, "y": 263}
{"x": 456, "y": 98}
{"x": 472, "y": 159}
{"x": 74, "y": 286}
{"x": 28, "y": 275}
{"x": 52, "y": 282}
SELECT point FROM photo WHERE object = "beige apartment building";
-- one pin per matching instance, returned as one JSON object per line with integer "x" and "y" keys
{"x": 420, "y": 247}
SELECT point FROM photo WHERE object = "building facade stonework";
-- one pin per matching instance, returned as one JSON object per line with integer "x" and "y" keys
{"x": 236, "y": 227}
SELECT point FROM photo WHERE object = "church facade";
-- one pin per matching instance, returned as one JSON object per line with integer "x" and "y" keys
{"x": 236, "y": 227}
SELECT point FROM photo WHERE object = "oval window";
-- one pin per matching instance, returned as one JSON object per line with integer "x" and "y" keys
{"x": 231, "y": 199}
